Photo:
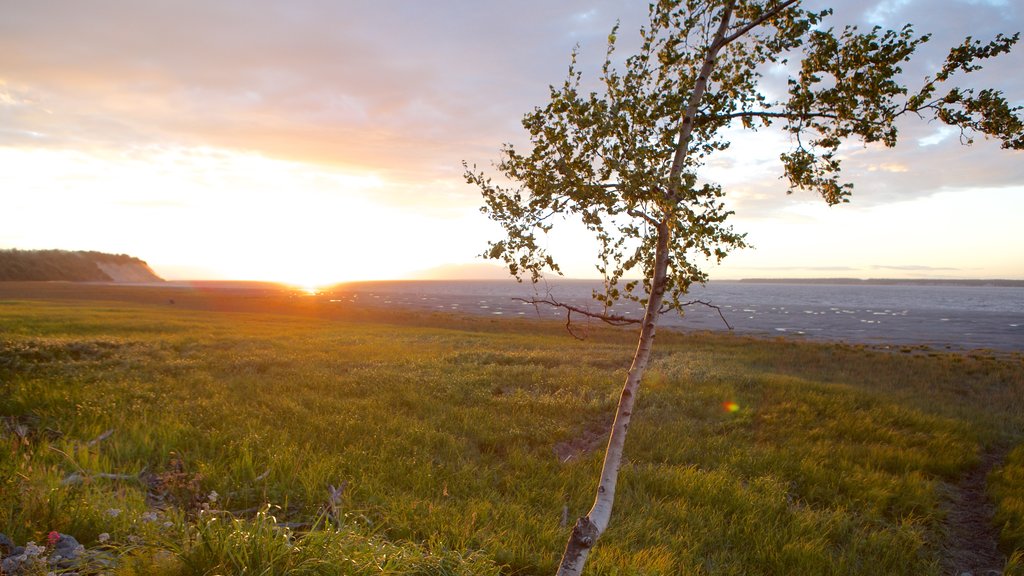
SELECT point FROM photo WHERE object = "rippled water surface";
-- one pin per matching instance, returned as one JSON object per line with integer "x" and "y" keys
{"x": 941, "y": 316}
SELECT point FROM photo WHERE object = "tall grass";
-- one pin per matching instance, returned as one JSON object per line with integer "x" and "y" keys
{"x": 443, "y": 432}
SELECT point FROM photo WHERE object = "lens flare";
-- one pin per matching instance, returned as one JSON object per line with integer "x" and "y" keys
{"x": 731, "y": 406}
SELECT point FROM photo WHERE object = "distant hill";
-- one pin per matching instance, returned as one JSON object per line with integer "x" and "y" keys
{"x": 68, "y": 266}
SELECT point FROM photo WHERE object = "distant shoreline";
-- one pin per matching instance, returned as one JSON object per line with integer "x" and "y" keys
{"x": 887, "y": 282}
{"x": 266, "y": 284}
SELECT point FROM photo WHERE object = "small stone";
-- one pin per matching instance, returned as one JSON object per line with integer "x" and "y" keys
{"x": 66, "y": 552}
{"x": 66, "y": 544}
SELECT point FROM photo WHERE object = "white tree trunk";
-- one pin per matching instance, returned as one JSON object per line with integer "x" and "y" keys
{"x": 590, "y": 527}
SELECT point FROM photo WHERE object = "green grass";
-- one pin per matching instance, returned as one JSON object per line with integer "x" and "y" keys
{"x": 1008, "y": 492}
{"x": 443, "y": 428}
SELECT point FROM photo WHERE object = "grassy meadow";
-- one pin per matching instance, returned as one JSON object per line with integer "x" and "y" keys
{"x": 276, "y": 434}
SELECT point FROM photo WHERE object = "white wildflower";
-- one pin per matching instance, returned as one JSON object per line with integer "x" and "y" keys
{"x": 212, "y": 496}
{"x": 103, "y": 537}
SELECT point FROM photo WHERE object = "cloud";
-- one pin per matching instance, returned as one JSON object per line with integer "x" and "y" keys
{"x": 400, "y": 87}
{"x": 915, "y": 268}
{"x": 805, "y": 268}
{"x": 929, "y": 157}
{"x": 396, "y": 86}
{"x": 400, "y": 92}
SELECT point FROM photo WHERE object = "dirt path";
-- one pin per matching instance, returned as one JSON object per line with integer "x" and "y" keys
{"x": 971, "y": 542}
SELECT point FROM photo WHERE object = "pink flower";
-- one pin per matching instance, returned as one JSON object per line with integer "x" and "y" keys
{"x": 52, "y": 537}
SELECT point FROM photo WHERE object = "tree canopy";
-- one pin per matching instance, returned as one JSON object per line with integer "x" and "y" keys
{"x": 626, "y": 158}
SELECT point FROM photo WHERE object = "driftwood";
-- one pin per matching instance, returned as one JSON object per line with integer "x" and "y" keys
{"x": 79, "y": 477}
{"x": 100, "y": 438}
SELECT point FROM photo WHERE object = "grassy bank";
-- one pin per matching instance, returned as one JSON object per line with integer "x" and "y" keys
{"x": 455, "y": 445}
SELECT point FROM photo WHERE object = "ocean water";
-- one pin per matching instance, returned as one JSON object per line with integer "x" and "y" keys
{"x": 943, "y": 316}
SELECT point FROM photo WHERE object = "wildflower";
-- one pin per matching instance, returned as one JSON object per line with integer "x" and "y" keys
{"x": 149, "y": 517}
{"x": 103, "y": 537}
{"x": 113, "y": 512}
{"x": 52, "y": 537}
{"x": 212, "y": 496}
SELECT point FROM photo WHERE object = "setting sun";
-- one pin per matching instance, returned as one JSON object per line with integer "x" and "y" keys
{"x": 295, "y": 158}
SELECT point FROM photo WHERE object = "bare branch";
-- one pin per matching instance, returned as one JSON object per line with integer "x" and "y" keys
{"x": 710, "y": 305}
{"x": 78, "y": 478}
{"x": 703, "y": 303}
{"x": 568, "y": 326}
{"x": 643, "y": 215}
{"x": 763, "y": 114}
{"x": 613, "y": 319}
{"x": 100, "y": 438}
{"x": 757, "y": 21}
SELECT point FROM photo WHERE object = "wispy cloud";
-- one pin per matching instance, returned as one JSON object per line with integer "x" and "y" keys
{"x": 397, "y": 92}
{"x": 915, "y": 268}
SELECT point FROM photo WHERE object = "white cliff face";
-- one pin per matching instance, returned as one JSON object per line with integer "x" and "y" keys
{"x": 134, "y": 272}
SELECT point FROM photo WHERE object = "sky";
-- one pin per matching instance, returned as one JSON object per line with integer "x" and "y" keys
{"x": 320, "y": 141}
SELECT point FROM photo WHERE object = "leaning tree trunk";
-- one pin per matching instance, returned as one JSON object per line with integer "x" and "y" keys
{"x": 590, "y": 527}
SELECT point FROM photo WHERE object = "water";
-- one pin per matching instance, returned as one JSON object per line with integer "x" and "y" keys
{"x": 945, "y": 316}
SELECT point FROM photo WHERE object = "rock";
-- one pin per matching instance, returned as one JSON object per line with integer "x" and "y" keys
{"x": 66, "y": 552}
{"x": 24, "y": 559}
{"x": 6, "y": 545}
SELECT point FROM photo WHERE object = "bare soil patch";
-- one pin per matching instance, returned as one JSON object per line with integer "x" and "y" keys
{"x": 971, "y": 537}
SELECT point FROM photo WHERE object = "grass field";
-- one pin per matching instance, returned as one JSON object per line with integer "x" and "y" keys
{"x": 456, "y": 445}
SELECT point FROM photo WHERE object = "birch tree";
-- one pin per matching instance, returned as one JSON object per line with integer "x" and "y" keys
{"x": 625, "y": 159}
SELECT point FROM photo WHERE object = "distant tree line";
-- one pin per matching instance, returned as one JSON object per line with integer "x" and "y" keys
{"x": 64, "y": 265}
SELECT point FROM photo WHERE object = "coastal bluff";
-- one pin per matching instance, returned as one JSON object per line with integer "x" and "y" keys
{"x": 73, "y": 266}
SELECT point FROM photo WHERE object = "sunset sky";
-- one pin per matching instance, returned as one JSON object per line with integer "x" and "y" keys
{"x": 316, "y": 141}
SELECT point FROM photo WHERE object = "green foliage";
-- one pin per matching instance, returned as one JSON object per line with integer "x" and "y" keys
{"x": 625, "y": 160}
{"x": 445, "y": 428}
{"x": 62, "y": 265}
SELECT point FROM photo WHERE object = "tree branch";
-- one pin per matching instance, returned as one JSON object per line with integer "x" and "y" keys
{"x": 764, "y": 114}
{"x": 703, "y": 303}
{"x": 613, "y": 319}
{"x": 757, "y": 21}
{"x": 643, "y": 215}
{"x": 693, "y": 103}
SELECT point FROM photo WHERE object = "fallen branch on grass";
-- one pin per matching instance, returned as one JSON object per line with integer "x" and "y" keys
{"x": 78, "y": 478}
